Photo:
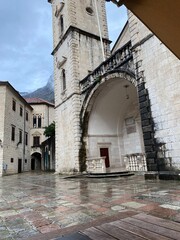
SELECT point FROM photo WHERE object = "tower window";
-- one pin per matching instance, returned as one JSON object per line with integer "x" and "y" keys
{"x": 26, "y": 139}
{"x": 63, "y": 80}
{"x": 61, "y": 24}
{"x": 89, "y": 10}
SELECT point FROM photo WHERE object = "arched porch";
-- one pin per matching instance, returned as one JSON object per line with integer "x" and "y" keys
{"x": 112, "y": 123}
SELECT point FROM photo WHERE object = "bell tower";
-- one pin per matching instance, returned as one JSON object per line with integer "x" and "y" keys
{"x": 80, "y": 44}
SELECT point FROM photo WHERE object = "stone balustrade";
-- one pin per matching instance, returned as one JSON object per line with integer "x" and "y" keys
{"x": 135, "y": 162}
{"x": 120, "y": 58}
{"x": 96, "y": 165}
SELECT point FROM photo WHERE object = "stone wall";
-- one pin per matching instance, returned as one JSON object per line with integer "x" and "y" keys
{"x": 14, "y": 150}
{"x": 77, "y": 51}
{"x": 2, "y": 120}
{"x": 158, "y": 73}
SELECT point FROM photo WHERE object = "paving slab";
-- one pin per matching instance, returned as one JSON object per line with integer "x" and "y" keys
{"x": 39, "y": 205}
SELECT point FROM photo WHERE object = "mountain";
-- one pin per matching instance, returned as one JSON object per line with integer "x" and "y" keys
{"x": 46, "y": 92}
{"x": 24, "y": 93}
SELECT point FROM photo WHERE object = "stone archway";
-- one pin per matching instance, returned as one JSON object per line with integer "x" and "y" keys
{"x": 112, "y": 121}
{"x": 36, "y": 161}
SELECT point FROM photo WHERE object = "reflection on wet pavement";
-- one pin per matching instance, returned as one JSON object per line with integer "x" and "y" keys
{"x": 33, "y": 203}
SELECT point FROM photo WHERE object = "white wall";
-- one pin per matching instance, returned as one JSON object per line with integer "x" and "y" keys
{"x": 14, "y": 149}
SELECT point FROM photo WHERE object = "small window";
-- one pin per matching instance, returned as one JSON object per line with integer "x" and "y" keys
{"x": 13, "y": 133}
{"x": 39, "y": 121}
{"x": 25, "y": 161}
{"x": 12, "y": 160}
{"x": 63, "y": 80}
{"x": 21, "y": 111}
{"x": 13, "y": 105}
{"x": 36, "y": 141}
{"x": 26, "y": 139}
{"x": 20, "y": 136}
{"x": 27, "y": 116}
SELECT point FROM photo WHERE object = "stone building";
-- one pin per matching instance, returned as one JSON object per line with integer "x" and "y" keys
{"x": 42, "y": 116}
{"x": 77, "y": 51}
{"x": 48, "y": 154}
{"x": 124, "y": 105}
{"x": 15, "y": 122}
{"x": 157, "y": 73}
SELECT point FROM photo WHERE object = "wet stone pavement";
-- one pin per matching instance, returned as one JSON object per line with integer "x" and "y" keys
{"x": 40, "y": 203}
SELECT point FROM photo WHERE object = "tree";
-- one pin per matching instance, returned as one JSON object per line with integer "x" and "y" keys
{"x": 50, "y": 130}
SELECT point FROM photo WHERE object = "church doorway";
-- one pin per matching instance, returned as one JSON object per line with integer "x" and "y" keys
{"x": 104, "y": 152}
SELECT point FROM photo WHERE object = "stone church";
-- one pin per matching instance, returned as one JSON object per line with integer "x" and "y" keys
{"x": 122, "y": 105}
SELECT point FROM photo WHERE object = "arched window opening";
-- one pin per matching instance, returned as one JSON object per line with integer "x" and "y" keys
{"x": 39, "y": 122}
{"x": 34, "y": 122}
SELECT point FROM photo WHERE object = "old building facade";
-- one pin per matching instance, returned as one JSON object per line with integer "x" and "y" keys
{"x": 41, "y": 117}
{"x": 15, "y": 125}
{"x": 22, "y": 125}
{"x": 122, "y": 109}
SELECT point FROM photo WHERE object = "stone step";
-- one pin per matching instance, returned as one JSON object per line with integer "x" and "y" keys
{"x": 110, "y": 174}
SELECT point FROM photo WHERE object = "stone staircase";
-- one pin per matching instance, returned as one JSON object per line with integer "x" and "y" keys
{"x": 110, "y": 173}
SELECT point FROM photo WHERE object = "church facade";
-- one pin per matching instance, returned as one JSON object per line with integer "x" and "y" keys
{"x": 122, "y": 105}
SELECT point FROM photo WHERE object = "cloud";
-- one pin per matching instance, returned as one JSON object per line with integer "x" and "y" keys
{"x": 116, "y": 18}
{"x": 25, "y": 43}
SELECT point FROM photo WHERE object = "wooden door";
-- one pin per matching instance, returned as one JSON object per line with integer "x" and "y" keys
{"x": 19, "y": 165}
{"x": 104, "y": 152}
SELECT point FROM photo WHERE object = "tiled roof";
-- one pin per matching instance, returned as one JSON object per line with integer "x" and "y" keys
{"x": 38, "y": 101}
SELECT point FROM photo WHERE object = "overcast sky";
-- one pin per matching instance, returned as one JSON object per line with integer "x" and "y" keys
{"x": 26, "y": 41}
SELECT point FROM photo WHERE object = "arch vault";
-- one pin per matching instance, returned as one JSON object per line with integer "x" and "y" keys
{"x": 111, "y": 120}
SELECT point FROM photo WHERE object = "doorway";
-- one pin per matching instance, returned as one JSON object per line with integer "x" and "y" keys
{"x": 32, "y": 164}
{"x": 19, "y": 165}
{"x": 36, "y": 161}
{"x": 104, "y": 152}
